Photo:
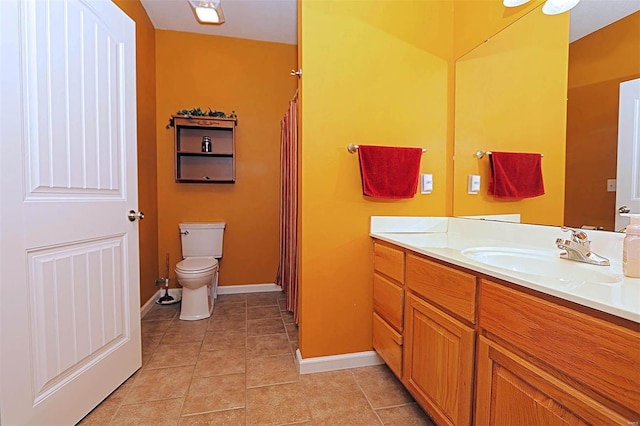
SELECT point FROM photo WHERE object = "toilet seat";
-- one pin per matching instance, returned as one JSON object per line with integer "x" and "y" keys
{"x": 196, "y": 265}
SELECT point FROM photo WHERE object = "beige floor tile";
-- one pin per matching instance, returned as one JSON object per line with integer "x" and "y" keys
{"x": 224, "y": 339}
{"x": 271, "y": 370}
{"x": 231, "y": 298}
{"x": 228, "y": 322}
{"x": 276, "y": 405}
{"x": 149, "y": 328}
{"x": 287, "y": 317}
{"x": 150, "y": 343}
{"x": 260, "y": 327}
{"x": 165, "y": 383}
{"x": 330, "y": 382}
{"x": 282, "y": 304}
{"x": 155, "y": 413}
{"x": 120, "y": 394}
{"x": 183, "y": 334}
{"x": 229, "y": 309}
{"x": 179, "y": 324}
{"x": 101, "y": 415}
{"x": 158, "y": 312}
{"x": 381, "y": 387}
{"x": 292, "y": 332}
{"x": 215, "y": 363}
{"x": 175, "y": 355}
{"x": 215, "y": 393}
{"x": 263, "y": 299}
{"x": 219, "y": 418}
{"x": 405, "y": 415}
{"x": 341, "y": 408}
{"x": 261, "y": 312}
{"x": 273, "y": 344}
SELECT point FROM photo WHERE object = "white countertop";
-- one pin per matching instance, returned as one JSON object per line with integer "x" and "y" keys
{"x": 445, "y": 238}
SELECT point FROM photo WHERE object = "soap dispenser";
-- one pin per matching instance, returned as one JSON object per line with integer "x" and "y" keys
{"x": 631, "y": 250}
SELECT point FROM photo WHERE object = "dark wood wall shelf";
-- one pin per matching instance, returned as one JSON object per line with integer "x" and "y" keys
{"x": 195, "y": 166}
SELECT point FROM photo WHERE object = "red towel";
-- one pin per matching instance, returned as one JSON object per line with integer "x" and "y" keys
{"x": 389, "y": 172}
{"x": 514, "y": 175}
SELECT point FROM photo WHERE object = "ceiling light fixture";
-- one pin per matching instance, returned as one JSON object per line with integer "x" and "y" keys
{"x": 208, "y": 11}
{"x": 551, "y": 7}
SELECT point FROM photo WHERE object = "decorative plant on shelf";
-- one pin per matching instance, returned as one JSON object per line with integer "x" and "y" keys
{"x": 197, "y": 112}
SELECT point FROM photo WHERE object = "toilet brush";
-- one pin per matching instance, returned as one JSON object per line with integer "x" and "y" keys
{"x": 166, "y": 299}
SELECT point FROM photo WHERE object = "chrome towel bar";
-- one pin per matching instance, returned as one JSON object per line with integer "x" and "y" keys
{"x": 480, "y": 154}
{"x": 353, "y": 148}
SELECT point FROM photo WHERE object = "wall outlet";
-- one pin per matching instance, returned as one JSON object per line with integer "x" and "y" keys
{"x": 611, "y": 185}
{"x": 473, "y": 184}
{"x": 426, "y": 183}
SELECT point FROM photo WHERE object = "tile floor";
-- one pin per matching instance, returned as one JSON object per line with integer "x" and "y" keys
{"x": 237, "y": 368}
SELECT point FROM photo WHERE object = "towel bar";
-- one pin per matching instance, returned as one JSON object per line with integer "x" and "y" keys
{"x": 352, "y": 148}
{"x": 480, "y": 154}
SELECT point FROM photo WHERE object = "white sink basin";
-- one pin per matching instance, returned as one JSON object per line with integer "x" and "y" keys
{"x": 546, "y": 265}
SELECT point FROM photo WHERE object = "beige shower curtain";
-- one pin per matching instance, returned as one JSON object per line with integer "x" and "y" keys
{"x": 287, "y": 277}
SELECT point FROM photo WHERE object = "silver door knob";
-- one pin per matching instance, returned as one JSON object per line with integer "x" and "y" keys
{"x": 624, "y": 209}
{"x": 133, "y": 215}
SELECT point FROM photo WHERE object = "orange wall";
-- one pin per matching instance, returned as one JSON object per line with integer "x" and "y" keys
{"x": 374, "y": 73}
{"x": 510, "y": 96}
{"x": 252, "y": 78}
{"x": 147, "y": 164}
{"x": 598, "y": 63}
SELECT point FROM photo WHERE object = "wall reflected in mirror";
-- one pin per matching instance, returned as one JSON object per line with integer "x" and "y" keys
{"x": 518, "y": 92}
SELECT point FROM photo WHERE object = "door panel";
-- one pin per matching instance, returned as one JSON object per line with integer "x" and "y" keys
{"x": 69, "y": 272}
{"x": 628, "y": 175}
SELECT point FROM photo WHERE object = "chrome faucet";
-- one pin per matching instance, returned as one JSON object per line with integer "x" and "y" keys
{"x": 578, "y": 248}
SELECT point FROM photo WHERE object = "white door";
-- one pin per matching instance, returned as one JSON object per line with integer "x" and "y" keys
{"x": 69, "y": 283}
{"x": 628, "y": 174}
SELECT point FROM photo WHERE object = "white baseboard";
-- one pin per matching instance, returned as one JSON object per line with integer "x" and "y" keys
{"x": 336, "y": 362}
{"x": 249, "y": 288}
{"x": 149, "y": 304}
{"x": 229, "y": 289}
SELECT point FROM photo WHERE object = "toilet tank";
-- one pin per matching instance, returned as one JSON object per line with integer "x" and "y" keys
{"x": 202, "y": 239}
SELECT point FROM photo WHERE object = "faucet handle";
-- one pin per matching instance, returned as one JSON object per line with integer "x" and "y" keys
{"x": 577, "y": 236}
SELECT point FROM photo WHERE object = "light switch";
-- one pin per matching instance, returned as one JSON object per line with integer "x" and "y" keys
{"x": 611, "y": 185}
{"x": 474, "y": 184}
{"x": 426, "y": 183}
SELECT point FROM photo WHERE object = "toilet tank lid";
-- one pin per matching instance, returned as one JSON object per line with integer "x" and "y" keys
{"x": 202, "y": 225}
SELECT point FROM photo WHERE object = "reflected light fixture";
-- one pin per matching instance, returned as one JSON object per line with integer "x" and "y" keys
{"x": 551, "y": 7}
{"x": 208, "y": 11}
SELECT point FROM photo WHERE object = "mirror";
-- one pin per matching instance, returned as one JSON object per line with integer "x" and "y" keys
{"x": 511, "y": 95}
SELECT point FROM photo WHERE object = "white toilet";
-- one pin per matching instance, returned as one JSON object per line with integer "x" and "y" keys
{"x": 197, "y": 273}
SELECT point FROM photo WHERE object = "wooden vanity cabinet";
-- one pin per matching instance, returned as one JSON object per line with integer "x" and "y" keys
{"x": 439, "y": 346}
{"x": 476, "y": 350}
{"x": 544, "y": 363}
{"x": 388, "y": 304}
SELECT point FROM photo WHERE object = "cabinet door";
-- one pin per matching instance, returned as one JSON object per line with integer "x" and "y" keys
{"x": 438, "y": 362}
{"x": 511, "y": 391}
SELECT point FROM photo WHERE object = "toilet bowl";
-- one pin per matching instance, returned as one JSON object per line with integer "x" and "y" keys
{"x": 197, "y": 276}
{"x": 197, "y": 273}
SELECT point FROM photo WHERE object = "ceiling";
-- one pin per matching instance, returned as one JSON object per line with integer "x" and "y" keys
{"x": 266, "y": 20}
{"x": 591, "y": 15}
{"x": 276, "y": 20}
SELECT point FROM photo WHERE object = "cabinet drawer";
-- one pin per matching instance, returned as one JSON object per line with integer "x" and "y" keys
{"x": 447, "y": 287}
{"x": 598, "y": 354}
{"x": 388, "y": 343}
{"x": 388, "y": 300}
{"x": 389, "y": 261}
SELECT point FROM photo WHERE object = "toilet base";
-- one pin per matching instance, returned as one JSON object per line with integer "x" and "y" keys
{"x": 197, "y": 303}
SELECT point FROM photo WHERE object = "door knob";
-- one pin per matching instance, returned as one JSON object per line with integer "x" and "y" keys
{"x": 133, "y": 215}
{"x": 624, "y": 209}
